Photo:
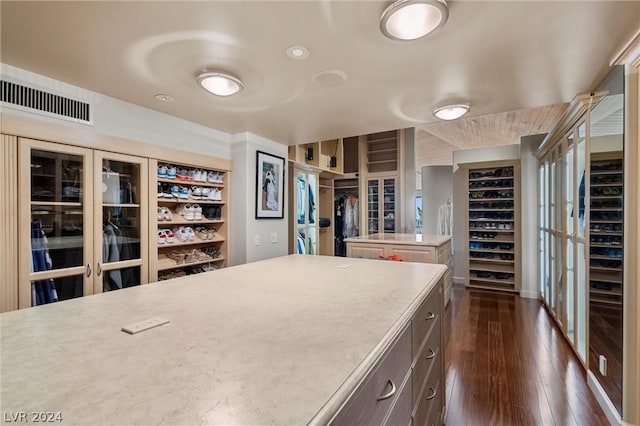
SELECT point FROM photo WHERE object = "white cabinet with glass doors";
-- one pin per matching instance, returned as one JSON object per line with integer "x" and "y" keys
{"x": 382, "y": 204}
{"x": 303, "y": 211}
{"x": 82, "y": 225}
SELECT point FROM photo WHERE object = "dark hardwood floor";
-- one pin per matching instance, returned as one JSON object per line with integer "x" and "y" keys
{"x": 508, "y": 364}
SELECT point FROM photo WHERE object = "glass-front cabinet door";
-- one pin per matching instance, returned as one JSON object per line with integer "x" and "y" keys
{"x": 381, "y": 205}
{"x": 373, "y": 206}
{"x": 55, "y": 225}
{"x": 120, "y": 221}
{"x": 305, "y": 199}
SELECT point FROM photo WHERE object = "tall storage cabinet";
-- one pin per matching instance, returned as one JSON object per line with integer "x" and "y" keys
{"x": 82, "y": 241}
{"x": 189, "y": 225}
{"x": 303, "y": 210}
{"x": 493, "y": 227}
{"x": 382, "y": 204}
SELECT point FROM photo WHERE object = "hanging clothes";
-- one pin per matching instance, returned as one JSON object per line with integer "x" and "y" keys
{"x": 111, "y": 253}
{"x": 351, "y": 210}
{"x": 445, "y": 219}
{"x": 300, "y": 200}
{"x": 43, "y": 291}
{"x": 312, "y": 205}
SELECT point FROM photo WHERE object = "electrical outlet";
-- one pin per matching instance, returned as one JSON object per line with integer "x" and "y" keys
{"x": 257, "y": 239}
{"x": 602, "y": 365}
{"x": 274, "y": 237}
{"x": 144, "y": 325}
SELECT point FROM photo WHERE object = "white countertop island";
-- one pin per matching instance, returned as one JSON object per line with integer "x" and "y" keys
{"x": 282, "y": 341}
{"x": 427, "y": 248}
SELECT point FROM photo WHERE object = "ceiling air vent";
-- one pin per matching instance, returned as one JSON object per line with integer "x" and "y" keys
{"x": 23, "y": 97}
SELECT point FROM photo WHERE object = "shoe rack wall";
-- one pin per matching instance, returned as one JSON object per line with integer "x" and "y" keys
{"x": 190, "y": 229}
{"x": 606, "y": 231}
{"x": 493, "y": 227}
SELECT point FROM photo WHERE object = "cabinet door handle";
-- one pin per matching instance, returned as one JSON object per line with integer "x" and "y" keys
{"x": 431, "y": 355}
{"x": 430, "y": 316}
{"x": 433, "y": 393}
{"x": 390, "y": 393}
{"x": 99, "y": 272}
{"x": 88, "y": 270}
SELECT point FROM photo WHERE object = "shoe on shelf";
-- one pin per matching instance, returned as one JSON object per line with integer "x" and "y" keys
{"x": 197, "y": 212}
{"x": 160, "y": 193}
{"x": 181, "y": 174}
{"x": 166, "y": 213}
{"x": 162, "y": 171}
{"x": 197, "y": 175}
{"x": 162, "y": 237}
{"x": 171, "y": 172}
{"x": 184, "y": 192}
{"x": 190, "y": 234}
{"x": 169, "y": 236}
{"x": 188, "y": 212}
{"x": 190, "y": 174}
{"x": 211, "y": 177}
{"x": 160, "y": 214}
{"x": 181, "y": 234}
{"x": 175, "y": 191}
{"x": 195, "y": 193}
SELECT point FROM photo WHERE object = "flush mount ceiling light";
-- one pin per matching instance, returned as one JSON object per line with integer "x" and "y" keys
{"x": 412, "y": 19}
{"x": 220, "y": 83}
{"x": 451, "y": 112}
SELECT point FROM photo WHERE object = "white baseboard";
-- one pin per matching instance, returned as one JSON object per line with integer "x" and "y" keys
{"x": 604, "y": 401}
{"x": 458, "y": 280}
{"x": 530, "y": 294}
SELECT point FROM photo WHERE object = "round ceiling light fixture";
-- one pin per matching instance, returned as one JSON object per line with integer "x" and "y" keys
{"x": 413, "y": 19}
{"x": 220, "y": 83}
{"x": 451, "y": 112}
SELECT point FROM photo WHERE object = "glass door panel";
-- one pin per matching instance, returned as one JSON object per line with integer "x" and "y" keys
{"x": 581, "y": 301}
{"x": 312, "y": 215}
{"x": 389, "y": 205}
{"x": 570, "y": 290}
{"x": 373, "y": 212}
{"x": 301, "y": 188}
{"x": 121, "y": 221}
{"x": 55, "y": 183}
{"x": 580, "y": 175}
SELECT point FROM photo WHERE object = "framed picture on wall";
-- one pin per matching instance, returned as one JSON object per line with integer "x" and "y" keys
{"x": 269, "y": 186}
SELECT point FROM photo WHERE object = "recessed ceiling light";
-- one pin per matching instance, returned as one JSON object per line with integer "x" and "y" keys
{"x": 220, "y": 83}
{"x": 164, "y": 98}
{"x": 451, "y": 112}
{"x": 413, "y": 19}
{"x": 297, "y": 52}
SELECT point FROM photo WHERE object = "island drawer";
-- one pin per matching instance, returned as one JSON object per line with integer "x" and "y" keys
{"x": 428, "y": 359}
{"x": 372, "y": 401}
{"x": 426, "y": 316}
{"x": 430, "y": 401}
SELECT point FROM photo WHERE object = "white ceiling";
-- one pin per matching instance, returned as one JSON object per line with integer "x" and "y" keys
{"x": 498, "y": 56}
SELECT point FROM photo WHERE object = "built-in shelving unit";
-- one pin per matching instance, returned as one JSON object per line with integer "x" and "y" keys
{"x": 493, "y": 227}
{"x": 606, "y": 231}
{"x": 191, "y": 231}
{"x": 326, "y": 156}
{"x": 382, "y": 152}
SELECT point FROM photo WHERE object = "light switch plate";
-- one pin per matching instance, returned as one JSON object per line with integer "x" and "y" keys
{"x": 144, "y": 325}
{"x": 602, "y": 365}
{"x": 257, "y": 239}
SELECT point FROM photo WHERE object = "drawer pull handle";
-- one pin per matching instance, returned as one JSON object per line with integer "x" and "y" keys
{"x": 390, "y": 393}
{"x": 88, "y": 270}
{"x": 430, "y": 316}
{"x": 433, "y": 393}
{"x": 99, "y": 269}
{"x": 431, "y": 355}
